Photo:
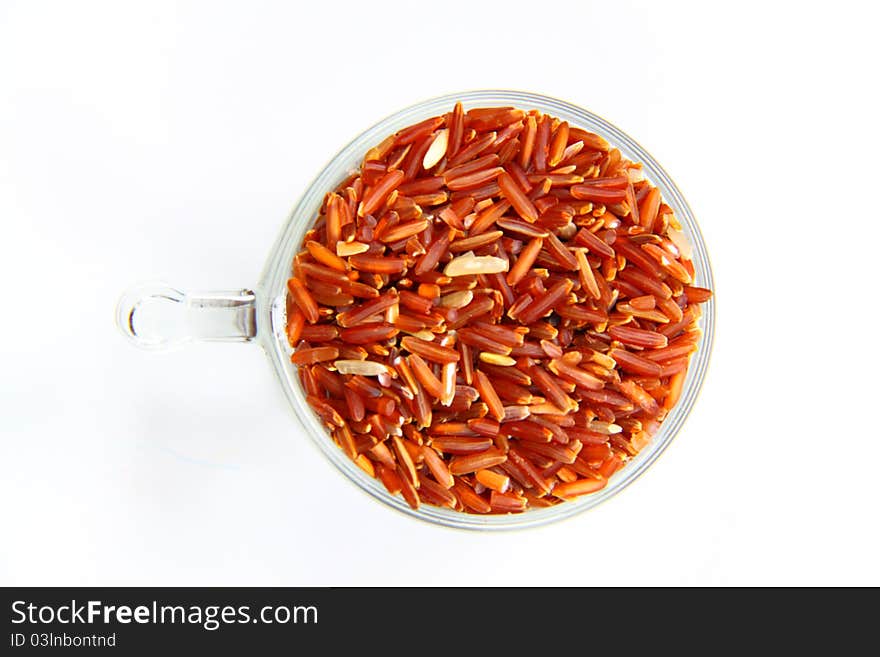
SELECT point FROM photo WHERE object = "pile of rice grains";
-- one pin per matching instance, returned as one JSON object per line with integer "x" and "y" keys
{"x": 494, "y": 313}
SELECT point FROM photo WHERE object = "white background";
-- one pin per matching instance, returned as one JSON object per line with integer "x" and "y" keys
{"x": 148, "y": 140}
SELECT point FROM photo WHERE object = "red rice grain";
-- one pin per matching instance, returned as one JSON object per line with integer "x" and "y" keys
{"x": 303, "y": 299}
{"x": 493, "y": 480}
{"x": 495, "y": 313}
{"x": 469, "y": 498}
{"x": 433, "y": 352}
{"x": 308, "y": 356}
{"x": 517, "y": 198}
{"x": 488, "y": 395}
{"x": 460, "y": 444}
{"x": 460, "y": 465}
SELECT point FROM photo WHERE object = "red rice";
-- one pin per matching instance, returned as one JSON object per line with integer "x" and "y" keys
{"x": 495, "y": 313}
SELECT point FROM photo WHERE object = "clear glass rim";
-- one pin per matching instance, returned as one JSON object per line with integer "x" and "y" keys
{"x": 272, "y": 289}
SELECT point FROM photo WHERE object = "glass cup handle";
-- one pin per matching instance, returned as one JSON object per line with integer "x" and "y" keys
{"x": 160, "y": 317}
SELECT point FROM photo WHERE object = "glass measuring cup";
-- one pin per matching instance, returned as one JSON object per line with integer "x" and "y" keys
{"x": 159, "y": 316}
